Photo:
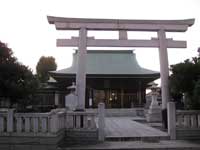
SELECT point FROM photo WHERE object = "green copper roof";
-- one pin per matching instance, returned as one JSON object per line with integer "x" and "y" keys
{"x": 109, "y": 62}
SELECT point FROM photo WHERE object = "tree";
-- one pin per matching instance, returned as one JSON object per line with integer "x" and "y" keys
{"x": 44, "y": 65}
{"x": 184, "y": 80}
{"x": 195, "y": 101}
{"x": 16, "y": 80}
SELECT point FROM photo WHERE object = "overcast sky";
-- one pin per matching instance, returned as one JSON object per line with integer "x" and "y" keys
{"x": 24, "y": 26}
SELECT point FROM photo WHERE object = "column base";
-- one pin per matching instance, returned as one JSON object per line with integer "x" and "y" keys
{"x": 154, "y": 115}
{"x": 164, "y": 118}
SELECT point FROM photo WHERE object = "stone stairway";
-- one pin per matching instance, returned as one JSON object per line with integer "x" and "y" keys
{"x": 74, "y": 138}
{"x": 143, "y": 139}
{"x": 138, "y": 145}
{"x": 126, "y": 134}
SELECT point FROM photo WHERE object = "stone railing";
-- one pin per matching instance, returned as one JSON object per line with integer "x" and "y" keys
{"x": 188, "y": 124}
{"x": 189, "y": 119}
{"x": 46, "y": 123}
{"x": 80, "y": 120}
{"x": 51, "y": 128}
{"x": 183, "y": 124}
{"x": 28, "y": 124}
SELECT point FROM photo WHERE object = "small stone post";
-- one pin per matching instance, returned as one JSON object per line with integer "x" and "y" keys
{"x": 10, "y": 116}
{"x": 171, "y": 110}
{"x": 56, "y": 98}
{"x": 54, "y": 122}
{"x": 101, "y": 122}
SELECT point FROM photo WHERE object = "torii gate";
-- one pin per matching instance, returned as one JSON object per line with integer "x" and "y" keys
{"x": 122, "y": 26}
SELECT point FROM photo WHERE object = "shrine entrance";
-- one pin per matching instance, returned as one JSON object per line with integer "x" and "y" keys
{"x": 115, "y": 98}
{"x": 122, "y": 27}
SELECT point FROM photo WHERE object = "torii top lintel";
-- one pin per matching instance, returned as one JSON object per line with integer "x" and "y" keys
{"x": 120, "y": 24}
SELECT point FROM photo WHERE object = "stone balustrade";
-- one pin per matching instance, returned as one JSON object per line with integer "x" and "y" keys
{"x": 188, "y": 124}
{"x": 188, "y": 119}
{"x": 80, "y": 120}
{"x": 29, "y": 124}
{"x": 183, "y": 124}
{"x": 51, "y": 128}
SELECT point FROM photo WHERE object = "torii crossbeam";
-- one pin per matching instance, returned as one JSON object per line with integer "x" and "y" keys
{"x": 122, "y": 26}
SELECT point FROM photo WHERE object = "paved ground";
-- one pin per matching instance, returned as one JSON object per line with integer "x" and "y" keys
{"x": 138, "y": 145}
{"x": 126, "y": 127}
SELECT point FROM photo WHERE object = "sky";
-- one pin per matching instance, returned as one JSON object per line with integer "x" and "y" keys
{"x": 24, "y": 27}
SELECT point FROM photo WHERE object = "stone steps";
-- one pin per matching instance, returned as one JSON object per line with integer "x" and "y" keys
{"x": 137, "y": 145}
{"x": 141, "y": 138}
{"x": 77, "y": 141}
{"x": 79, "y": 138}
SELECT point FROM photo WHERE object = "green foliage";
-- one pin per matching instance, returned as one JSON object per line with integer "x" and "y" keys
{"x": 44, "y": 65}
{"x": 195, "y": 101}
{"x": 16, "y": 80}
{"x": 185, "y": 79}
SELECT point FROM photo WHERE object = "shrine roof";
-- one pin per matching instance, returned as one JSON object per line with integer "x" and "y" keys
{"x": 108, "y": 62}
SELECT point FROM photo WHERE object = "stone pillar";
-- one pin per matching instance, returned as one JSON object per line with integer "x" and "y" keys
{"x": 81, "y": 72}
{"x": 101, "y": 121}
{"x": 140, "y": 94}
{"x": 2, "y": 121}
{"x": 171, "y": 120}
{"x": 44, "y": 124}
{"x": 123, "y": 35}
{"x": 35, "y": 124}
{"x": 27, "y": 124}
{"x": 10, "y": 118}
{"x": 19, "y": 124}
{"x": 56, "y": 98}
{"x": 90, "y": 98}
{"x": 164, "y": 69}
{"x": 164, "y": 73}
{"x": 54, "y": 123}
{"x": 122, "y": 98}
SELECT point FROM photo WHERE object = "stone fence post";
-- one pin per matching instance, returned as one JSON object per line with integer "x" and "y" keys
{"x": 54, "y": 122}
{"x": 101, "y": 121}
{"x": 10, "y": 116}
{"x": 171, "y": 110}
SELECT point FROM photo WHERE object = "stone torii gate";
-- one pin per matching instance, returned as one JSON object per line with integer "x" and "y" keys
{"x": 122, "y": 26}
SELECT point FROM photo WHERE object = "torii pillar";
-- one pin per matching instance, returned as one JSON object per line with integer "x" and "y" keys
{"x": 81, "y": 70}
{"x": 164, "y": 73}
{"x": 164, "y": 68}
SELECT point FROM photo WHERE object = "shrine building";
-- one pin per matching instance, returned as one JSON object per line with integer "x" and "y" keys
{"x": 112, "y": 76}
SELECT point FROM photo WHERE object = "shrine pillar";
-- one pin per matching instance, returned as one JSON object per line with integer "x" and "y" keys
{"x": 81, "y": 72}
{"x": 164, "y": 74}
{"x": 164, "y": 69}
